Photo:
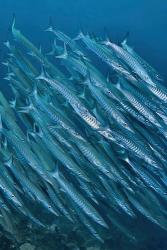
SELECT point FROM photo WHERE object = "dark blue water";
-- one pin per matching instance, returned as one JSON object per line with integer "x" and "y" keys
{"x": 145, "y": 20}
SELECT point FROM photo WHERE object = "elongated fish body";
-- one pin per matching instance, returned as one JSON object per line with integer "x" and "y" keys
{"x": 150, "y": 181}
{"x": 59, "y": 153}
{"x": 4, "y": 103}
{"x": 79, "y": 108}
{"x": 79, "y": 66}
{"x": 154, "y": 143}
{"x": 67, "y": 161}
{"x": 136, "y": 149}
{"x": 15, "y": 200}
{"x": 88, "y": 191}
{"x": 100, "y": 163}
{"x": 119, "y": 200}
{"x": 110, "y": 109}
{"x": 66, "y": 39}
{"x": 131, "y": 61}
{"x": 143, "y": 98}
{"x": 105, "y": 135}
{"x": 21, "y": 179}
{"x": 54, "y": 115}
{"x": 11, "y": 124}
{"x": 146, "y": 112}
{"x": 91, "y": 154}
{"x": 153, "y": 73}
{"x": 30, "y": 189}
{"x": 80, "y": 201}
{"x": 151, "y": 215}
{"x": 34, "y": 51}
{"x": 160, "y": 93}
{"x": 90, "y": 228}
{"x": 10, "y": 194}
{"x": 142, "y": 109}
{"x": 96, "y": 79}
{"x": 107, "y": 56}
{"x": 22, "y": 61}
{"x": 113, "y": 93}
{"x": 101, "y": 51}
{"x": 59, "y": 203}
{"x": 24, "y": 154}
{"x": 156, "y": 93}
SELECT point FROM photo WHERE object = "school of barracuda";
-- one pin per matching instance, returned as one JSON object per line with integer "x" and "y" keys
{"x": 78, "y": 149}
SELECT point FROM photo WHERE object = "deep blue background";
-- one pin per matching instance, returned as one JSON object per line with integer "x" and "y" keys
{"x": 146, "y": 20}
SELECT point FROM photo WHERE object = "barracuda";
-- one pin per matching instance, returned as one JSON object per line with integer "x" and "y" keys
{"x": 81, "y": 153}
{"x": 80, "y": 201}
{"x": 131, "y": 61}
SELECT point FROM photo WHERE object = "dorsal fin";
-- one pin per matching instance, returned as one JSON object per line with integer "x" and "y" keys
{"x": 79, "y": 36}
{"x": 124, "y": 42}
{"x": 7, "y": 44}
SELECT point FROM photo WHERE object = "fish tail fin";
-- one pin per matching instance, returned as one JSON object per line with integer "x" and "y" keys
{"x": 7, "y": 77}
{"x": 124, "y": 42}
{"x": 65, "y": 53}
{"x": 56, "y": 172}
{"x": 9, "y": 162}
{"x": 107, "y": 41}
{"x": 50, "y": 26}
{"x": 42, "y": 75}
{"x": 49, "y": 29}
{"x": 26, "y": 109}
{"x": 79, "y": 36}
{"x": 5, "y": 63}
{"x": 30, "y": 134}
{"x": 13, "y": 103}
{"x": 7, "y": 44}
{"x": 34, "y": 132}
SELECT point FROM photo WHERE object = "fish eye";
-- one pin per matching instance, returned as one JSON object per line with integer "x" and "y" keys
{"x": 126, "y": 125}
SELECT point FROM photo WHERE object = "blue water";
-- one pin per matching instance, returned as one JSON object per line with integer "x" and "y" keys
{"x": 145, "y": 20}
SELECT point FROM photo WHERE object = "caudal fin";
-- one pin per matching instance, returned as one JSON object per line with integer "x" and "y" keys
{"x": 65, "y": 53}
{"x": 79, "y": 36}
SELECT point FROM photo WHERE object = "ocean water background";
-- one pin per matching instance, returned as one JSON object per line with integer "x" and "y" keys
{"x": 145, "y": 20}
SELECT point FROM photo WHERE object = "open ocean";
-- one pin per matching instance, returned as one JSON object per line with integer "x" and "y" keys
{"x": 145, "y": 21}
